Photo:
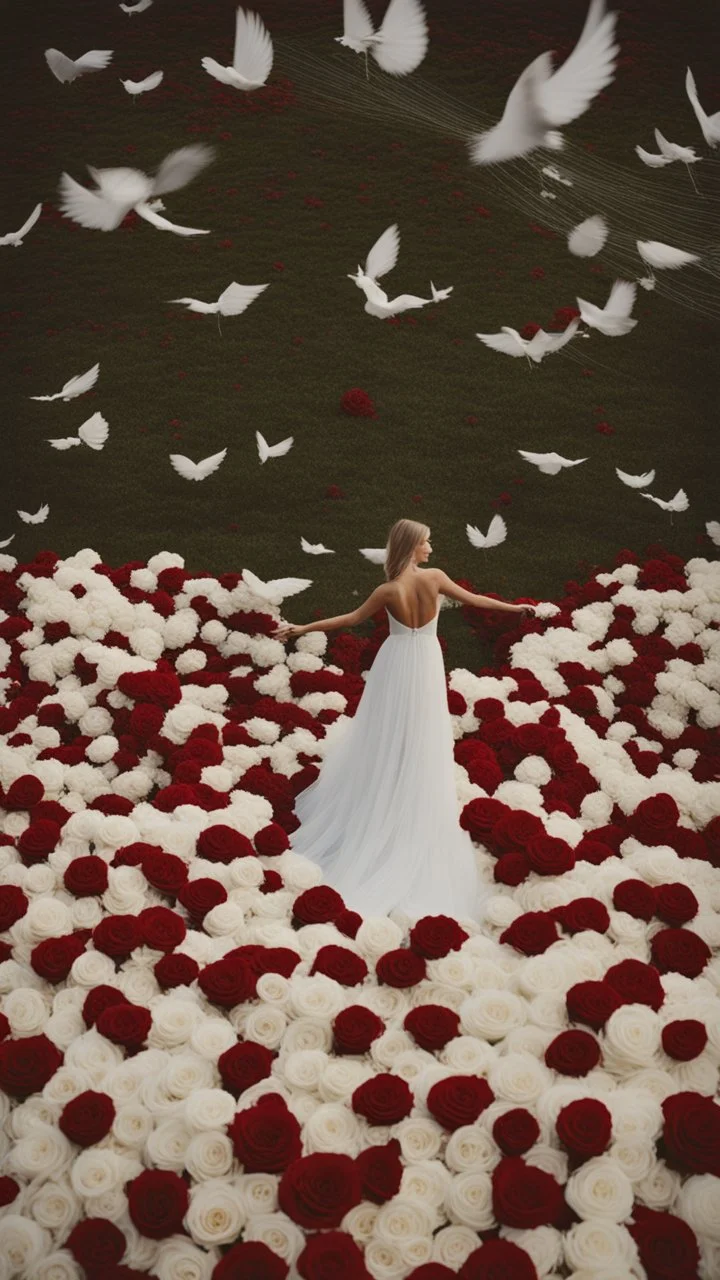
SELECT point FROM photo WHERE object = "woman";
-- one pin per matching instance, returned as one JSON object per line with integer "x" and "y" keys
{"x": 381, "y": 819}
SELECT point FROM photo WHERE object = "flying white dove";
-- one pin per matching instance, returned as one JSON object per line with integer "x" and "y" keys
{"x": 136, "y": 87}
{"x": 15, "y": 238}
{"x": 542, "y": 100}
{"x": 376, "y": 555}
{"x": 276, "y": 589}
{"x": 40, "y": 515}
{"x": 232, "y": 301}
{"x": 588, "y": 237}
{"x": 663, "y": 256}
{"x": 652, "y": 160}
{"x": 635, "y": 482}
{"x": 315, "y": 548}
{"x": 400, "y": 42}
{"x": 65, "y": 70}
{"x": 614, "y": 318}
{"x": 710, "y": 125}
{"x": 497, "y": 533}
{"x": 94, "y": 433}
{"x": 252, "y": 55}
{"x": 381, "y": 259}
{"x": 536, "y": 348}
{"x": 140, "y": 7}
{"x": 120, "y": 190}
{"x": 549, "y": 463}
{"x": 7, "y": 541}
{"x": 712, "y": 528}
{"x": 190, "y": 470}
{"x": 673, "y": 151}
{"x": 678, "y": 503}
{"x": 266, "y": 450}
{"x": 76, "y": 386}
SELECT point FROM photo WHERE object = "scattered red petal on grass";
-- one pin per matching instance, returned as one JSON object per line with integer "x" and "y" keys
{"x": 471, "y": 419}
{"x": 505, "y": 499}
{"x": 604, "y": 428}
{"x": 334, "y": 491}
{"x": 537, "y": 273}
{"x": 226, "y": 244}
{"x": 586, "y": 373}
{"x": 225, "y": 136}
{"x": 482, "y": 211}
{"x": 278, "y": 266}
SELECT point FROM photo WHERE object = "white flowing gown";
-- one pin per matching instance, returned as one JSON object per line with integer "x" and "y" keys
{"x": 382, "y": 817}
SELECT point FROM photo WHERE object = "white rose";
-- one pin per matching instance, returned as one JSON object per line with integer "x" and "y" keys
{"x": 384, "y": 1261}
{"x": 453, "y": 1245}
{"x": 332, "y": 1127}
{"x": 659, "y": 1188}
{"x": 471, "y": 1148}
{"x": 469, "y": 1200}
{"x": 278, "y": 1232}
{"x": 138, "y": 982}
{"x": 97, "y": 1171}
{"x": 93, "y": 969}
{"x": 274, "y": 989}
{"x": 215, "y": 1215}
{"x": 698, "y": 1203}
{"x": 22, "y": 1244}
{"x": 341, "y": 1077}
{"x": 659, "y": 1084}
{"x": 455, "y": 969}
{"x": 64, "y": 1027}
{"x": 303, "y": 1068}
{"x": 385, "y": 1050}
{"x": 209, "y": 1155}
{"x": 55, "y": 1206}
{"x": 549, "y": 1159}
{"x": 132, "y": 1125}
{"x": 26, "y": 1010}
{"x": 386, "y": 1002}
{"x": 632, "y": 1037}
{"x": 635, "y": 1158}
{"x": 491, "y": 1014}
{"x": 599, "y": 1189}
{"x": 66, "y": 1084}
{"x": 376, "y": 935}
{"x": 411, "y": 1065}
{"x": 543, "y": 1244}
{"x": 45, "y": 1151}
{"x": 58, "y": 1265}
{"x": 173, "y": 1020}
{"x": 532, "y": 1040}
{"x": 598, "y": 1244}
{"x": 211, "y": 1037}
{"x": 263, "y": 1024}
{"x": 35, "y": 1113}
{"x": 401, "y": 1220}
{"x": 258, "y": 1192}
{"x": 42, "y": 878}
{"x": 186, "y": 1073}
{"x": 467, "y": 1055}
{"x": 419, "y": 1138}
{"x": 307, "y": 1033}
{"x": 46, "y": 918}
{"x": 554, "y": 971}
{"x": 519, "y": 1078}
{"x": 317, "y": 996}
{"x": 208, "y": 1109}
{"x": 178, "y": 1259}
{"x": 167, "y": 1144}
{"x": 359, "y": 1222}
{"x": 636, "y": 1115}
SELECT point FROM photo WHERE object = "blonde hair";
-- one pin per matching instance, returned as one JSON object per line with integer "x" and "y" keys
{"x": 403, "y": 538}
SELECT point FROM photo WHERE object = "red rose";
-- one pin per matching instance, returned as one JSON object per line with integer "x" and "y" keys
{"x": 176, "y": 970}
{"x": 221, "y": 843}
{"x": 319, "y": 905}
{"x": 227, "y": 982}
{"x": 271, "y": 840}
{"x": 100, "y": 998}
{"x": 525, "y": 1197}
{"x": 250, "y": 1260}
{"x": 636, "y": 983}
{"x": 125, "y": 1024}
{"x": 655, "y": 819}
{"x": 160, "y": 687}
{"x": 348, "y": 922}
{"x": 573, "y": 1053}
{"x": 157, "y": 1203}
{"x": 27, "y": 1064}
{"x": 341, "y": 964}
{"x": 317, "y": 1191}
{"x": 165, "y": 872}
{"x": 357, "y": 403}
{"x": 86, "y": 877}
{"x": 480, "y": 815}
{"x": 531, "y": 933}
{"x": 38, "y": 840}
{"x": 667, "y": 1246}
{"x": 516, "y": 1131}
{"x": 434, "y": 936}
{"x": 117, "y": 936}
{"x": 675, "y": 903}
{"x": 594, "y": 851}
{"x": 53, "y": 958}
{"x": 584, "y": 913}
{"x": 331, "y": 1254}
{"x": 243, "y": 1064}
{"x": 636, "y": 898}
{"x": 384, "y": 1099}
{"x": 380, "y": 1170}
{"x": 87, "y": 1118}
{"x": 459, "y": 1100}
{"x": 355, "y": 1028}
{"x": 498, "y": 1260}
{"x": 549, "y": 856}
{"x": 691, "y": 1133}
{"x": 24, "y": 792}
{"x": 9, "y": 1190}
{"x": 13, "y": 905}
{"x": 160, "y": 928}
{"x": 512, "y": 868}
{"x": 432, "y": 1025}
{"x": 200, "y": 896}
{"x": 266, "y": 1137}
{"x": 585, "y": 1127}
{"x": 684, "y": 1039}
{"x": 680, "y": 951}
{"x": 592, "y": 1003}
{"x": 400, "y": 968}
{"x": 96, "y": 1244}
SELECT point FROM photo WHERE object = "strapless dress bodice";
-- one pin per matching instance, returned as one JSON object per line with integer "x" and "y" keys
{"x": 398, "y": 628}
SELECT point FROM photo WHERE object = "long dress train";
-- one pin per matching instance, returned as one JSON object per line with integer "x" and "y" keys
{"x": 381, "y": 818}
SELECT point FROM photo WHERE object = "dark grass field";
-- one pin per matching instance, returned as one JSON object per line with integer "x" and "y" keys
{"x": 308, "y": 172}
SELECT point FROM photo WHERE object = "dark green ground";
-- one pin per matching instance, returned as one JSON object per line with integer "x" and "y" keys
{"x": 304, "y": 182}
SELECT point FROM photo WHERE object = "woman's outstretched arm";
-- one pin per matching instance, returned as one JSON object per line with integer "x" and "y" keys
{"x": 456, "y": 592}
{"x": 375, "y": 601}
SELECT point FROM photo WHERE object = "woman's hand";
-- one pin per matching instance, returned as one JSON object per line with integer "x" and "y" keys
{"x": 527, "y": 610}
{"x": 288, "y": 631}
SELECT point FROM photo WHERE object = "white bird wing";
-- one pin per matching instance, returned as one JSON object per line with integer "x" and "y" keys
{"x": 712, "y": 528}
{"x": 522, "y": 124}
{"x": 223, "y": 74}
{"x": 376, "y": 555}
{"x": 76, "y": 386}
{"x": 253, "y": 52}
{"x": 263, "y": 446}
{"x": 663, "y": 255}
{"x": 710, "y": 125}
{"x": 195, "y": 304}
{"x": 315, "y": 548}
{"x": 374, "y": 294}
{"x": 37, "y": 518}
{"x": 140, "y": 7}
{"x": 506, "y": 342}
{"x": 279, "y": 450}
{"x": 181, "y": 166}
{"x": 357, "y": 23}
{"x": 651, "y": 160}
{"x": 88, "y": 208}
{"x": 588, "y": 237}
{"x": 402, "y": 38}
{"x": 26, "y": 226}
{"x": 150, "y": 215}
{"x": 590, "y": 66}
{"x": 62, "y": 67}
{"x": 540, "y": 459}
{"x": 143, "y": 86}
{"x": 622, "y": 299}
{"x": 95, "y": 431}
{"x": 403, "y": 302}
{"x": 383, "y": 255}
{"x": 497, "y": 533}
{"x": 276, "y": 589}
{"x": 237, "y": 297}
{"x": 190, "y": 470}
{"x": 94, "y": 60}
{"x": 66, "y": 442}
{"x": 7, "y": 541}
{"x": 542, "y": 341}
{"x": 678, "y": 503}
{"x": 635, "y": 482}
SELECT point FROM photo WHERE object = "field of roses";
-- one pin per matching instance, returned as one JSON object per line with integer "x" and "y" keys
{"x": 213, "y": 1069}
